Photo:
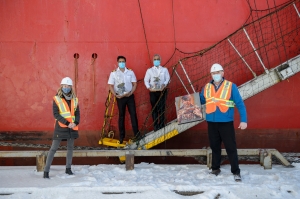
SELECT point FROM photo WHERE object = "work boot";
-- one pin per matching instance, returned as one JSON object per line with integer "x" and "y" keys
{"x": 46, "y": 175}
{"x": 69, "y": 171}
{"x": 215, "y": 172}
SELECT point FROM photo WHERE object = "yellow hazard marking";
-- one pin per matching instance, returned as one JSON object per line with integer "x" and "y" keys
{"x": 161, "y": 139}
{"x": 113, "y": 142}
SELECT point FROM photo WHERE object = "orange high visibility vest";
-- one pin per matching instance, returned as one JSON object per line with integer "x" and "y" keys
{"x": 219, "y": 98}
{"x": 64, "y": 110}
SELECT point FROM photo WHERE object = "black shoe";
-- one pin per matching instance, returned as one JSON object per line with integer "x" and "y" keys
{"x": 69, "y": 171}
{"x": 215, "y": 172}
{"x": 46, "y": 175}
{"x": 121, "y": 140}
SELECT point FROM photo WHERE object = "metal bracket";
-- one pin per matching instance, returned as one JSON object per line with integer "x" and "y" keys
{"x": 284, "y": 71}
{"x": 265, "y": 159}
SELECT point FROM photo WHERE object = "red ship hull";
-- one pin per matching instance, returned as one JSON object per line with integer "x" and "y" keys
{"x": 38, "y": 40}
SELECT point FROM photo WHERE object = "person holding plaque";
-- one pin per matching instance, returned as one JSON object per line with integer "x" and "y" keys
{"x": 122, "y": 84}
{"x": 156, "y": 80}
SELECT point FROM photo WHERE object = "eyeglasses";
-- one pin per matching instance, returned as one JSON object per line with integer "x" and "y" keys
{"x": 156, "y": 59}
{"x": 121, "y": 61}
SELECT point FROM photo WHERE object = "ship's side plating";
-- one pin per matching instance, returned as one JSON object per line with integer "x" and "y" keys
{"x": 39, "y": 39}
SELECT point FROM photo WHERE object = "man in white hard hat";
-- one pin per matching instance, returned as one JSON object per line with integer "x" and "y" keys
{"x": 220, "y": 96}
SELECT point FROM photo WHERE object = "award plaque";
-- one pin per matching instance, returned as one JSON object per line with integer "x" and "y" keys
{"x": 121, "y": 89}
{"x": 188, "y": 108}
{"x": 156, "y": 86}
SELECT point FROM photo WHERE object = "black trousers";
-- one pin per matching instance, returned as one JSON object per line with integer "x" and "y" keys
{"x": 158, "y": 112}
{"x": 130, "y": 103}
{"x": 219, "y": 132}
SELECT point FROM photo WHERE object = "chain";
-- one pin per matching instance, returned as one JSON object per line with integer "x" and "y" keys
{"x": 291, "y": 157}
{"x": 38, "y": 146}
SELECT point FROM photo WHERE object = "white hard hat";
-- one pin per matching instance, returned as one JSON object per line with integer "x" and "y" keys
{"x": 67, "y": 80}
{"x": 216, "y": 67}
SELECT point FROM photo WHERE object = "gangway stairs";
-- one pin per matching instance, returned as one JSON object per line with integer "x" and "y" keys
{"x": 247, "y": 90}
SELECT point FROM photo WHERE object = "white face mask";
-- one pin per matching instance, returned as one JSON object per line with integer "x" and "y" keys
{"x": 217, "y": 77}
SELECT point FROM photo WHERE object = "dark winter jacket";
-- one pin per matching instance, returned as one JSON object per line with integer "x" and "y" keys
{"x": 62, "y": 133}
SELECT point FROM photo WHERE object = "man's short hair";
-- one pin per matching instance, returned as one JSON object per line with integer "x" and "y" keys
{"x": 186, "y": 98}
{"x": 121, "y": 57}
{"x": 157, "y": 55}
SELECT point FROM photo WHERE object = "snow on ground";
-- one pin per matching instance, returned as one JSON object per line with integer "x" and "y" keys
{"x": 150, "y": 181}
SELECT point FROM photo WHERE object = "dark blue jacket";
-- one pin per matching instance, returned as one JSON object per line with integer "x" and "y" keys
{"x": 218, "y": 116}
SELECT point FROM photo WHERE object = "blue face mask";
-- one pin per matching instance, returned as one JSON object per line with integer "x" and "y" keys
{"x": 121, "y": 64}
{"x": 66, "y": 90}
{"x": 217, "y": 77}
{"x": 156, "y": 62}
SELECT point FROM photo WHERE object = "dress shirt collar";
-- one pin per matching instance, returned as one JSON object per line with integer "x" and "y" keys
{"x": 157, "y": 67}
{"x": 118, "y": 69}
{"x": 217, "y": 87}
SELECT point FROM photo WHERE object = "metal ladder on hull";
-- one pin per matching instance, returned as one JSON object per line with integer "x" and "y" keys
{"x": 247, "y": 90}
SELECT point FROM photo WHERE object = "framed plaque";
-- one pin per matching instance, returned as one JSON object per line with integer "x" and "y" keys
{"x": 188, "y": 108}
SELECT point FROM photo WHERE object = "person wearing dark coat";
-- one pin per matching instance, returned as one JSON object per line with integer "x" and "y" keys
{"x": 67, "y": 116}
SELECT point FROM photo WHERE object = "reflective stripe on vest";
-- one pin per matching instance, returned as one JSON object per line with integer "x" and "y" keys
{"x": 218, "y": 99}
{"x": 64, "y": 110}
